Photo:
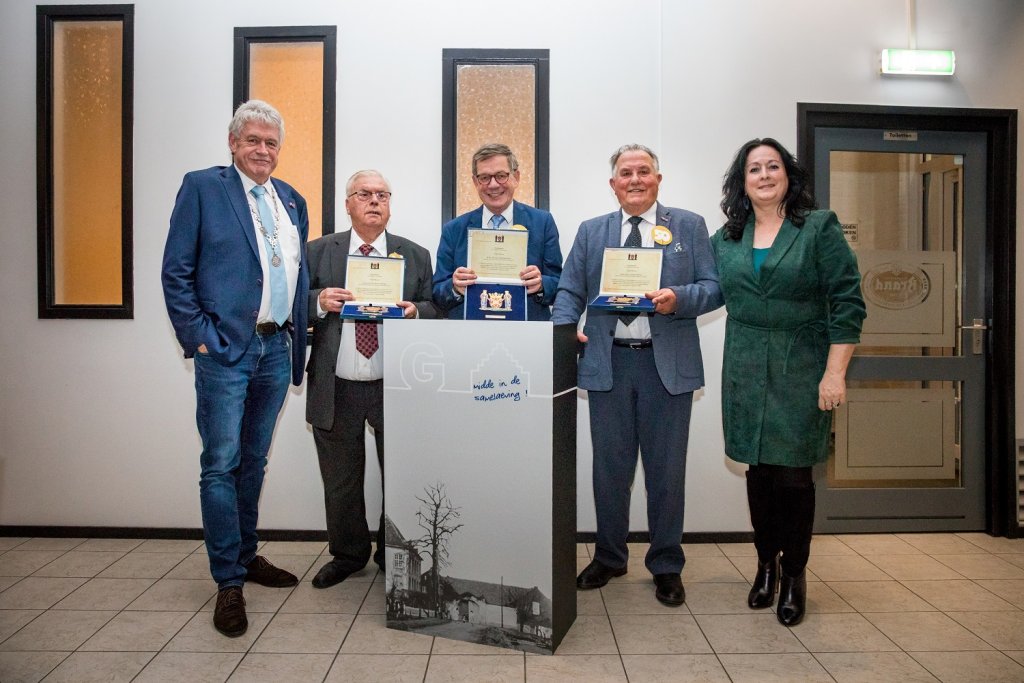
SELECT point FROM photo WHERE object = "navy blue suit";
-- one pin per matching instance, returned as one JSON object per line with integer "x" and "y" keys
{"x": 542, "y": 251}
{"x": 213, "y": 285}
{"x": 641, "y": 398}
{"x": 211, "y": 271}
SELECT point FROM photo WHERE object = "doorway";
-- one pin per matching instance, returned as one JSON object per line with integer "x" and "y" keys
{"x": 925, "y": 440}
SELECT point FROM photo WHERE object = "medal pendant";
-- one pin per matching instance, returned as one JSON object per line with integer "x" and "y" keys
{"x": 276, "y": 261}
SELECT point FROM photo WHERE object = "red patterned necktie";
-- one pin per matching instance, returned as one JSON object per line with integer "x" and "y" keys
{"x": 366, "y": 333}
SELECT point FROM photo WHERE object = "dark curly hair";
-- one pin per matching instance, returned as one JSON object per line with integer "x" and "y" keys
{"x": 797, "y": 203}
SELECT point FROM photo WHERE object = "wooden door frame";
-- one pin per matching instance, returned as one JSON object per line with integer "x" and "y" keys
{"x": 1000, "y": 127}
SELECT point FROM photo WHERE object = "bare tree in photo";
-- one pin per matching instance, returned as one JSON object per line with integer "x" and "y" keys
{"x": 437, "y": 519}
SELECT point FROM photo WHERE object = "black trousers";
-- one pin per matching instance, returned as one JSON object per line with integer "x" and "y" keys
{"x": 781, "y": 503}
{"x": 341, "y": 451}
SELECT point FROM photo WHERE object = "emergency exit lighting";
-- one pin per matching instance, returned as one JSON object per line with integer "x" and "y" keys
{"x": 918, "y": 62}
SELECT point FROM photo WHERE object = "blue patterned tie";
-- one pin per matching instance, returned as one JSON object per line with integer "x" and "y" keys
{"x": 633, "y": 240}
{"x": 278, "y": 277}
{"x": 496, "y": 222}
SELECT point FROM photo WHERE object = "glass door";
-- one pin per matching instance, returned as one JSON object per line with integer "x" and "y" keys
{"x": 908, "y": 452}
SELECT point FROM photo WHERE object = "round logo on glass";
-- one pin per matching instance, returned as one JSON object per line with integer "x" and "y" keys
{"x": 896, "y": 286}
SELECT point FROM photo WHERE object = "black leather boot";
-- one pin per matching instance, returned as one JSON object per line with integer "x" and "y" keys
{"x": 762, "y": 593}
{"x": 792, "y": 598}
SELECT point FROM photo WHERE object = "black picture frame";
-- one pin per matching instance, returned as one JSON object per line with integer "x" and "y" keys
{"x": 244, "y": 37}
{"x": 47, "y": 16}
{"x": 451, "y": 60}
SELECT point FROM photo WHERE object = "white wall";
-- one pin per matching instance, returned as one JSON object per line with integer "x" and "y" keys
{"x": 97, "y": 417}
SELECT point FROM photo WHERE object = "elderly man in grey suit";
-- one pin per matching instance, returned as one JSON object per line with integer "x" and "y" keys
{"x": 346, "y": 368}
{"x": 640, "y": 370}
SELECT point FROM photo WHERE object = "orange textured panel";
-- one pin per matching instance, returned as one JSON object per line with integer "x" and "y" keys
{"x": 494, "y": 103}
{"x": 87, "y": 227}
{"x": 290, "y": 76}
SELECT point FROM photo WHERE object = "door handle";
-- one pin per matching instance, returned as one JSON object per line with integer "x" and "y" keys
{"x": 977, "y": 326}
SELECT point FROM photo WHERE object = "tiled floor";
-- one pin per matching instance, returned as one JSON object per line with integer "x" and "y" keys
{"x": 904, "y": 607}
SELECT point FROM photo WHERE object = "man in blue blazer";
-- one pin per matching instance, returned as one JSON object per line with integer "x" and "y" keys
{"x": 496, "y": 177}
{"x": 235, "y": 283}
{"x": 640, "y": 371}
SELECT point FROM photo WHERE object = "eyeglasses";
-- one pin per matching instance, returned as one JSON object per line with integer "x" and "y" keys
{"x": 364, "y": 196}
{"x": 485, "y": 179}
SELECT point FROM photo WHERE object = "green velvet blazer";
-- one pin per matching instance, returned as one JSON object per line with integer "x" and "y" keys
{"x": 779, "y": 328}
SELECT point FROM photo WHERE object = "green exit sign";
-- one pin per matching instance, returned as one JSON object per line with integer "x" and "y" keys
{"x": 918, "y": 62}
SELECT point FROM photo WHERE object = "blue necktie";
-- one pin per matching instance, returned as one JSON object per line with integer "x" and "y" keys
{"x": 496, "y": 222}
{"x": 278, "y": 277}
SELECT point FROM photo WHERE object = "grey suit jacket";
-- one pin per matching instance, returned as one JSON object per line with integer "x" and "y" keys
{"x": 328, "y": 257}
{"x": 688, "y": 268}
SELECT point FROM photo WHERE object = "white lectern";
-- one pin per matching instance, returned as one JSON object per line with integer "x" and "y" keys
{"x": 480, "y": 480}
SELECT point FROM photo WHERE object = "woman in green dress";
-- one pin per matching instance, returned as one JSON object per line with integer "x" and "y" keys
{"x": 792, "y": 292}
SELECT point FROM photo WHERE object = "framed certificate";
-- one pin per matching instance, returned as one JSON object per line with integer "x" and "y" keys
{"x": 376, "y": 285}
{"x": 497, "y": 255}
{"x": 627, "y": 273}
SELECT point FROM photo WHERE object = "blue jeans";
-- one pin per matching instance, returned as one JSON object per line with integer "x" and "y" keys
{"x": 236, "y": 410}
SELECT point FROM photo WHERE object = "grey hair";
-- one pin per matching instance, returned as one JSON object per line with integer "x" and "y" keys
{"x": 494, "y": 149}
{"x": 633, "y": 148}
{"x": 258, "y": 111}
{"x": 362, "y": 174}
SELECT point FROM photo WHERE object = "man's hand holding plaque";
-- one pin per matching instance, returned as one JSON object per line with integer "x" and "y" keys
{"x": 375, "y": 287}
{"x": 631, "y": 281}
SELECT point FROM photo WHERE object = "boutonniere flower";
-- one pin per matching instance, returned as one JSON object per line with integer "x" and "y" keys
{"x": 395, "y": 254}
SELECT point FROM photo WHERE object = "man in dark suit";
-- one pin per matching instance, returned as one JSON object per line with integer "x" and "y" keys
{"x": 235, "y": 283}
{"x": 496, "y": 177}
{"x": 346, "y": 368}
{"x": 640, "y": 371}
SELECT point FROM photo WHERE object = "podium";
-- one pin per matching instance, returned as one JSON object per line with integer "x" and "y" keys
{"x": 480, "y": 480}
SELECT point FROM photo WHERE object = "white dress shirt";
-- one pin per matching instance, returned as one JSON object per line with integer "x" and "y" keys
{"x": 351, "y": 364}
{"x": 640, "y": 328}
{"x": 506, "y": 214}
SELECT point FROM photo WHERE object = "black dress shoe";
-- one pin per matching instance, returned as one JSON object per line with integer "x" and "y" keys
{"x": 329, "y": 575}
{"x": 596, "y": 575}
{"x": 260, "y": 571}
{"x": 669, "y": 589}
{"x": 762, "y": 593}
{"x": 229, "y": 614}
{"x": 792, "y": 598}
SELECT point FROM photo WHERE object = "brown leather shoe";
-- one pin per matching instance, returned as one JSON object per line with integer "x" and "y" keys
{"x": 229, "y": 615}
{"x": 597, "y": 575}
{"x": 262, "y": 572}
